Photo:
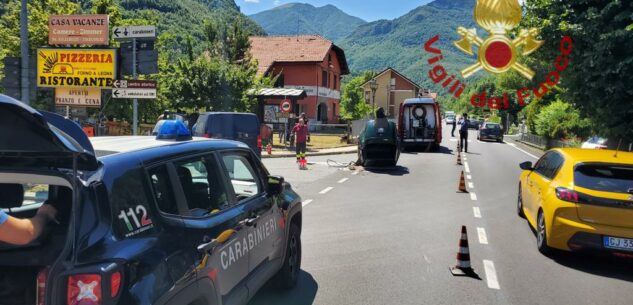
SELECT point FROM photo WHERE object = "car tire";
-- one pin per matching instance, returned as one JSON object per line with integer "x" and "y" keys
{"x": 541, "y": 235}
{"x": 520, "y": 203}
{"x": 288, "y": 275}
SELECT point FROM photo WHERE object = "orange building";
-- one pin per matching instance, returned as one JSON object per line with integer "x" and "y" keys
{"x": 308, "y": 62}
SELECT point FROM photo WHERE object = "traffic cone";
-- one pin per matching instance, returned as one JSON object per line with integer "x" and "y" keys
{"x": 459, "y": 158}
{"x": 462, "y": 184}
{"x": 463, "y": 268}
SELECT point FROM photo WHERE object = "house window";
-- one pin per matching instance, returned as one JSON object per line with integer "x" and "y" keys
{"x": 324, "y": 79}
{"x": 280, "y": 83}
{"x": 329, "y": 59}
{"x": 335, "y": 82}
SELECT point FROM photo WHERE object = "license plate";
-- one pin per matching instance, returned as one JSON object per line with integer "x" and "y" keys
{"x": 618, "y": 243}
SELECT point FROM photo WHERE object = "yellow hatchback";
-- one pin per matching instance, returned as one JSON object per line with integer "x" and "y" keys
{"x": 579, "y": 199}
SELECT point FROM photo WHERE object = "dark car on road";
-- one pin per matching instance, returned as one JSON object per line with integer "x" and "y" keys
{"x": 490, "y": 131}
{"x": 474, "y": 124}
{"x": 242, "y": 127}
{"x": 141, "y": 220}
{"x": 378, "y": 143}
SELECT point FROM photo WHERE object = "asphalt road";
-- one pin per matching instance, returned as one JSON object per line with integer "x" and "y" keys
{"x": 389, "y": 237}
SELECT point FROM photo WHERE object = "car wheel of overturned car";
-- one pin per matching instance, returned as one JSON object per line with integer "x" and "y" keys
{"x": 288, "y": 275}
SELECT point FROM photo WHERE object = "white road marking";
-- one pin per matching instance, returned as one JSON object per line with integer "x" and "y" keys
{"x": 483, "y": 239}
{"x": 306, "y": 202}
{"x": 469, "y": 177}
{"x": 523, "y": 151}
{"x": 477, "y": 212}
{"x": 464, "y": 158}
{"x": 343, "y": 180}
{"x": 327, "y": 189}
{"x": 453, "y": 140}
{"x": 491, "y": 274}
{"x": 473, "y": 196}
{"x": 466, "y": 167}
{"x": 471, "y": 185}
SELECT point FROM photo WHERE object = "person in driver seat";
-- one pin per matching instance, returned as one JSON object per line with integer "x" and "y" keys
{"x": 21, "y": 231}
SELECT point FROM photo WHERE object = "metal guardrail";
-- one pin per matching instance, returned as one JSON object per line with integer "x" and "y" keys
{"x": 544, "y": 143}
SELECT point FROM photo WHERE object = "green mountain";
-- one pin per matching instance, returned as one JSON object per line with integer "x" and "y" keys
{"x": 399, "y": 43}
{"x": 298, "y": 18}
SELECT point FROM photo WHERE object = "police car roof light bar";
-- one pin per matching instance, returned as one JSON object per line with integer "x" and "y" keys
{"x": 173, "y": 130}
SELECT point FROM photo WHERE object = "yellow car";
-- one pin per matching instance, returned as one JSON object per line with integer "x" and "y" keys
{"x": 579, "y": 199}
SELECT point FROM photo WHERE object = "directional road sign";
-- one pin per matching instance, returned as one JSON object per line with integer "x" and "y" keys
{"x": 134, "y": 93}
{"x": 133, "y": 84}
{"x": 131, "y": 32}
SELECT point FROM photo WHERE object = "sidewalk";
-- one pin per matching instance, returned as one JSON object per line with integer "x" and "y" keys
{"x": 278, "y": 153}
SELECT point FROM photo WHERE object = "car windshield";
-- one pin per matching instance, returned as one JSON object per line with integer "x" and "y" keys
{"x": 605, "y": 177}
{"x": 493, "y": 126}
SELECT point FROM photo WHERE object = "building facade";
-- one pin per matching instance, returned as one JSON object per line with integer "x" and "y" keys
{"x": 308, "y": 62}
{"x": 393, "y": 88}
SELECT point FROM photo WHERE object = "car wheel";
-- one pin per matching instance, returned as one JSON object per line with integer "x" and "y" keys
{"x": 541, "y": 234}
{"x": 288, "y": 275}
{"x": 520, "y": 203}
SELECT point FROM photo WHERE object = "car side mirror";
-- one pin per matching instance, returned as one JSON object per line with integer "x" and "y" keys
{"x": 527, "y": 166}
{"x": 275, "y": 185}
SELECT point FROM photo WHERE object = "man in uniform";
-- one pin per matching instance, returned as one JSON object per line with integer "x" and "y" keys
{"x": 463, "y": 134}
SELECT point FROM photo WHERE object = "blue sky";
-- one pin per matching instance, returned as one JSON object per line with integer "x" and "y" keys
{"x": 369, "y": 10}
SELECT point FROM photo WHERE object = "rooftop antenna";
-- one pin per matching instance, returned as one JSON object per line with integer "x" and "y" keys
{"x": 617, "y": 149}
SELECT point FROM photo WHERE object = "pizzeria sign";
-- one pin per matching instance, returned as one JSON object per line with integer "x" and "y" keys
{"x": 76, "y": 68}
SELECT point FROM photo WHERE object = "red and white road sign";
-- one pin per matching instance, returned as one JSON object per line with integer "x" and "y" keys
{"x": 286, "y": 106}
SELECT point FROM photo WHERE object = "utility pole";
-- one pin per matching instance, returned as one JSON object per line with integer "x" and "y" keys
{"x": 135, "y": 103}
{"x": 24, "y": 52}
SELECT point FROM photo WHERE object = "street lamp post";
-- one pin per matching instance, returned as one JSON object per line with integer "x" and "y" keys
{"x": 373, "y": 85}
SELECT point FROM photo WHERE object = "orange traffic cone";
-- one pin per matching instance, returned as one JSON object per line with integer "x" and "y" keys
{"x": 462, "y": 184}
{"x": 463, "y": 267}
{"x": 303, "y": 164}
{"x": 459, "y": 158}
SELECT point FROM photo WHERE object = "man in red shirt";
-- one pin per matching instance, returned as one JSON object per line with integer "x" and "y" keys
{"x": 301, "y": 134}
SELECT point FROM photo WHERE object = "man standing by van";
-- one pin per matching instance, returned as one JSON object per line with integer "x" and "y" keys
{"x": 463, "y": 134}
{"x": 300, "y": 133}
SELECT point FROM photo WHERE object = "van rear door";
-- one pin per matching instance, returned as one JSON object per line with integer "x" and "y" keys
{"x": 34, "y": 139}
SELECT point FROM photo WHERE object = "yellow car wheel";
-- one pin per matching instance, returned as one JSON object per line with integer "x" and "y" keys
{"x": 541, "y": 235}
{"x": 520, "y": 203}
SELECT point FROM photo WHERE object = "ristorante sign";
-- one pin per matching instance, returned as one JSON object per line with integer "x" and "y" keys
{"x": 76, "y": 68}
{"x": 498, "y": 53}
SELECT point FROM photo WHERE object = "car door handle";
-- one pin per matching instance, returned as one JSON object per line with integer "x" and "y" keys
{"x": 251, "y": 222}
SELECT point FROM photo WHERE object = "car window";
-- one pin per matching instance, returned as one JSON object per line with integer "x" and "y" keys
{"x": 203, "y": 189}
{"x": 493, "y": 126}
{"x": 549, "y": 165}
{"x": 604, "y": 177}
{"x": 244, "y": 179}
{"x": 163, "y": 190}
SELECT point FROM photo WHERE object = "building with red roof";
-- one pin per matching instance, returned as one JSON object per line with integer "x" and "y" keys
{"x": 308, "y": 62}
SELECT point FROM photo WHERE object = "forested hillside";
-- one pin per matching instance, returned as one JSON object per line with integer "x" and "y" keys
{"x": 299, "y": 18}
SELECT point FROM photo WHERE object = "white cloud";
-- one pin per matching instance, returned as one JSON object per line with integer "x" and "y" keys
{"x": 277, "y": 2}
{"x": 251, "y": 1}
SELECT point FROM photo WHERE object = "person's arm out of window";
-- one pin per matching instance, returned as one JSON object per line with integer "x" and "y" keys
{"x": 24, "y": 231}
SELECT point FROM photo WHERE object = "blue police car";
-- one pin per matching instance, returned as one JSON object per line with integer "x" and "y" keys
{"x": 142, "y": 220}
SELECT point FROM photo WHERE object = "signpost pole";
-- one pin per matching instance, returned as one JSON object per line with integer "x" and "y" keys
{"x": 135, "y": 103}
{"x": 24, "y": 52}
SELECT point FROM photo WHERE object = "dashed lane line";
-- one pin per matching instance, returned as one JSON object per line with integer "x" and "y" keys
{"x": 471, "y": 185}
{"x": 477, "y": 212}
{"x": 343, "y": 180}
{"x": 306, "y": 202}
{"x": 473, "y": 196}
{"x": 469, "y": 177}
{"x": 491, "y": 275}
{"x": 523, "y": 151}
{"x": 327, "y": 189}
{"x": 466, "y": 167}
{"x": 483, "y": 238}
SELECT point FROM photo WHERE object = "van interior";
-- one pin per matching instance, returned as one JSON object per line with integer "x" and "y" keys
{"x": 21, "y": 265}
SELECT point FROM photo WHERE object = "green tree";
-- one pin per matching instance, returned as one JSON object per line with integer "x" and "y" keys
{"x": 599, "y": 77}
{"x": 353, "y": 105}
{"x": 560, "y": 120}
